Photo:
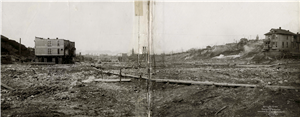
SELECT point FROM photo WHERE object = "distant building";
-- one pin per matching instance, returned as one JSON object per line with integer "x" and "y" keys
{"x": 132, "y": 52}
{"x": 114, "y": 60}
{"x": 281, "y": 40}
{"x": 54, "y": 50}
{"x": 123, "y": 58}
{"x": 144, "y": 50}
{"x": 208, "y": 47}
{"x": 243, "y": 40}
{"x": 231, "y": 44}
{"x": 144, "y": 54}
{"x": 31, "y": 50}
{"x": 219, "y": 47}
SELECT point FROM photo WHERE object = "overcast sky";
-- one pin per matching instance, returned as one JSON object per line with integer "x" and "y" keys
{"x": 110, "y": 26}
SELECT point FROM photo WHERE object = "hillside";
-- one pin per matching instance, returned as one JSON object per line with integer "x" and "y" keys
{"x": 10, "y": 49}
{"x": 245, "y": 49}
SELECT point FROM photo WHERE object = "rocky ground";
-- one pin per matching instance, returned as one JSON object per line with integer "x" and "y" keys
{"x": 59, "y": 90}
{"x": 275, "y": 74}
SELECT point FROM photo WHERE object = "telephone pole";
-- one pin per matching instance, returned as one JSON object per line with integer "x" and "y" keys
{"x": 149, "y": 56}
{"x": 20, "y": 48}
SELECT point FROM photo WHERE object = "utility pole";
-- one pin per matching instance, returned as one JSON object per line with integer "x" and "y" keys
{"x": 138, "y": 56}
{"x": 172, "y": 56}
{"x": 149, "y": 57}
{"x": 163, "y": 58}
{"x": 0, "y": 45}
{"x": 138, "y": 12}
{"x": 154, "y": 62}
{"x": 20, "y": 49}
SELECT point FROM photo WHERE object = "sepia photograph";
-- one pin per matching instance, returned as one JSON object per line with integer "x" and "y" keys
{"x": 150, "y": 58}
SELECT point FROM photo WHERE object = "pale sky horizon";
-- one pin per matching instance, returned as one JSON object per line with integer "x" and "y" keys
{"x": 110, "y": 26}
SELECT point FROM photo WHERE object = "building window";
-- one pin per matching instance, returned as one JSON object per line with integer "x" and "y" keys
{"x": 57, "y": 51}
{"x": 49, "y": 43}
{"x": 282, "y": 44}
{"x": 57, "y": 43}
{"x": 49, "y": 51}
{"x": 287, "y": 44}
{"x": 287, "y": 37}
{"x": 276, "y": 44}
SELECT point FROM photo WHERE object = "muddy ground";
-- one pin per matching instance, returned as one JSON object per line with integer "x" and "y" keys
{"x": 58, "y": 90}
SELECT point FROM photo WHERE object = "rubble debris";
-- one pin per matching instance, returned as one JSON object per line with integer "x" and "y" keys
{"x": 269, "y": 83}
{"x": 7, "y": 87}
{"x": 90, "y": 79}
{"x": 74, "y": 90}
{"x": 189, "y": 82}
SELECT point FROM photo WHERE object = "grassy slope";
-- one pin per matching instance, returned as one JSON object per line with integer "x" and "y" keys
{"x": 248, "y": 50}
{"x": 11, "y": 47}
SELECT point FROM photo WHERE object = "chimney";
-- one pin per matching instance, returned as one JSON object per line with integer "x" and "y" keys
{"x": 279, "y": 28}
{"x": 48, "y": 38}
{"x": 56, "y": 38}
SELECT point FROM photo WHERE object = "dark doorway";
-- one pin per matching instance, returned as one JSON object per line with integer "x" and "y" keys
{"x": 49, "y": 59}
{"x": 56, "y": 60}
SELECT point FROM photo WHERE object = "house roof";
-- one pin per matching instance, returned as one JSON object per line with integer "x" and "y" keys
{"x": 54, "y": 39}
{"x": 231, "y": 43}
{"x": 280, "y": 31}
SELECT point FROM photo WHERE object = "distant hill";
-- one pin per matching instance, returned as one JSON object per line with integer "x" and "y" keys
{"x": 11, "y": 47}
{"x": 245, "y": 49}
{"x": 243, "y": 52}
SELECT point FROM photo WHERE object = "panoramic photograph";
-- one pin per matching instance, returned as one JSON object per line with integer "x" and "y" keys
{"x": 150, "y": 58}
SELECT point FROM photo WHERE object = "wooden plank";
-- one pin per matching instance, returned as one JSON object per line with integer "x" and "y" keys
{"x": 221, "y": 84}
{"x": 242, "y": 85}
{"x": 283, "y": 87}
{"x": 112, "y": 80}
{"x": 43, "y": 63}
{"x": 203, "y": 83}
{"x": 254, "y": 66}
{"x": 5, "y": 86}
{"x": 231, "y": 85}
{"x": 183, "y": 81}
{"x": 159, "y": 80}
{"x": 207, "y": 83}
{"x": 132, "y": 76}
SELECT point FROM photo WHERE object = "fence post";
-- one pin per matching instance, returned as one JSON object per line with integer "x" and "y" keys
{"x": 102, "y": 73}
{"x": 120, "y": 74}
{"x": 140, "y": 81}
